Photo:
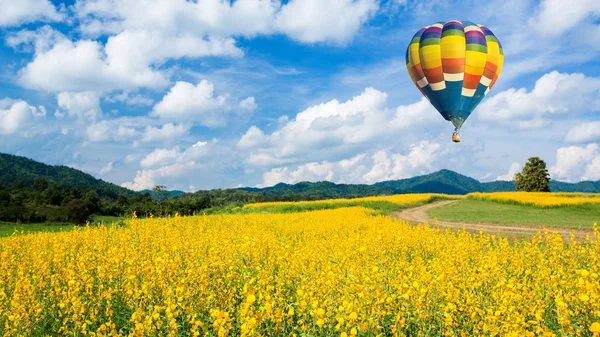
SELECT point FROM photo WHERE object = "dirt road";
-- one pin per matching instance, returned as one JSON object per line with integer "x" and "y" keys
{"x": 419, "y": 215}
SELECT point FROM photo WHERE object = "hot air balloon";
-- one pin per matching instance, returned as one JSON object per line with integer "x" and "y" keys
{"x": 454, "y": 65}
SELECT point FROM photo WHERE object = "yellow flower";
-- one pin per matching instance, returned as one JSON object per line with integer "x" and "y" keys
{"x": 251, "y": 298}
{"x": 595, "y": 327}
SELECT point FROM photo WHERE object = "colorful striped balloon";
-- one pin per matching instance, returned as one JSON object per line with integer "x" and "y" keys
{"x": 454, "y": 64}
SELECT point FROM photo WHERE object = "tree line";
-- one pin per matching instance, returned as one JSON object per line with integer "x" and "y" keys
{"x": 46, "y": 201}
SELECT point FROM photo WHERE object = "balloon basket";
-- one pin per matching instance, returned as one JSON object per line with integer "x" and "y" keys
{"x": 456, "y": 137}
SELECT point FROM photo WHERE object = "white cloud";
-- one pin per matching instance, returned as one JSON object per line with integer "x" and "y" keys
{"x": 576, "y": 163}
{"x": 109, "y": 130}
{"x": 332, "y": 125}
{"x": 584, "y": 133}
{"x": 85, "y": 66}
{"x": 334, "y": 21}
{"x": 554, "y": 94}
{"x": 16, "y": 114}
{"x": 83, "y": 105}
{"x": 510, "y": 176}
{"x": 196, "y": 103}
{"x": 167, "y": 131}
{"x": 362, "y": 168}
{"x": 107, "y": 169}
{"x": 147, "y": 179}
{"x": 164, "y": 165}
{"x": 248, "y": 104}
{"x": 554, "y": 17}
{"x": 303, "y": 20}
{"x": 396, "y": 166}
{"x": 130, "y": 99}
{"x": 143, "y": 35}
{"x": 16, "y": 12}
{"x": 160, "y": 157}
{"x": 130, "y": 158}
{"x": 38, "y": 41}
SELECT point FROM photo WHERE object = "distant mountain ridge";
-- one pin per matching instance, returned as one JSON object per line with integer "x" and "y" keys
{"x": 443, "y": 181}
{"x": 15, "y": 168}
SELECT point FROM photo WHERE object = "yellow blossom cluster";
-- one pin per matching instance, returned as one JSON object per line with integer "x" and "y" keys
{"x": 399, "y": 199}
{"x": 343, "y": 272}
{"x": 540, "y": 198}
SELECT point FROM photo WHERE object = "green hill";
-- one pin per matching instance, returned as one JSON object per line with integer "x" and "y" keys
{"x": 443, "y": 181}
{"x": 26, "y": 171}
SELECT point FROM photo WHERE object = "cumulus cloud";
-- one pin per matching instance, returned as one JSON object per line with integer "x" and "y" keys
{"x": 83, "y": 105}
{"x": 553, "y": 95}
{"x": 13, "y": 13}
{"x": 584, "y": 133}
{"x": 362, "y": 168}
{"x": 16, "y": 114}
{"x": 147, "y": 179}
{"x": 303, "y": 20}
{"x": 167, "y": 131}
{"x": 199, "y": 104}
{"x": 163, "y": 165}
{"x": 554, "y": 17}
{"x": 576, "y": 163}
{"x": 248, "y": 104}
{"x": 143, "y": 35}
{"x": 317, "y": 21}
{"x": 360, "y": 120}
{"x": 397, "y": 166}
{"x": 512, "y": 170}
{"x": 110, "y": 130}
{"x": 159, "y": 156}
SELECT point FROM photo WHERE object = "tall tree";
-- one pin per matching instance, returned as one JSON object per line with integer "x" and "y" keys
{"x": 534, "y": 177}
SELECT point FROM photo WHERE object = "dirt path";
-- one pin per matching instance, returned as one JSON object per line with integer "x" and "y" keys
{"x": 419, "y": 215}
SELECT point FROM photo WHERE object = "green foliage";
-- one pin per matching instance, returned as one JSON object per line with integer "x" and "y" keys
{"x": 534, "y": 177}
{"x": 32, "y": 192}
{"x": 78, "y": 211}
{"x": 21, "y": 172}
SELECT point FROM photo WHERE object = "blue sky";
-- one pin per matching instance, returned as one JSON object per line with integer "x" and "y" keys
{"x": 216, "y": 94}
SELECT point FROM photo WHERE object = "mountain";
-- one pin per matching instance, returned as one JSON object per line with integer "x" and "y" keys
{"x": 443, "y": 181}
{"x": 24, "y": 170}
{"x": 172, "y": 194}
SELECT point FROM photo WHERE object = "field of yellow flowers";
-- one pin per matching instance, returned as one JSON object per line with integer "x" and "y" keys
{"x": 541, "y": 199}
{"x": 342, "y": 272}
{"x": 398, "y": 199}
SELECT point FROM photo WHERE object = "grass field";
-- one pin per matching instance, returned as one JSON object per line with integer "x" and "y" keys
{"x": 487, "y": 211}
{"x": 382, "y": 204}
{"x": 9, "y": 228}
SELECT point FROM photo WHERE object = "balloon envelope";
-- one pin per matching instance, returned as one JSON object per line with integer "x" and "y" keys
{"x": 454, "y": 64}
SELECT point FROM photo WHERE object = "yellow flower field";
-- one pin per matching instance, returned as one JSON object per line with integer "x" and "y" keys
{"x": 343, "y": 272}
{"x": 400, "y": 199}
{"x": 540, "y": 198}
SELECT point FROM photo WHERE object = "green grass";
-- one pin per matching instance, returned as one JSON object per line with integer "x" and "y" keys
{"x": 381, "y": 207}
{"x": 8, "y": 228}
{"x": 484, "y": 211}
{"x": 106, "y": 219}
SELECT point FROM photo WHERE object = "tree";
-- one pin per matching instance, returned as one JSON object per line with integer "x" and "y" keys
{"x": 77, "y": 211}
{"x": 40, "y": 184}
{"x": 160, "y": 192}
{"x": 534, "y": 177}
{"x": 93, "y": 201}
